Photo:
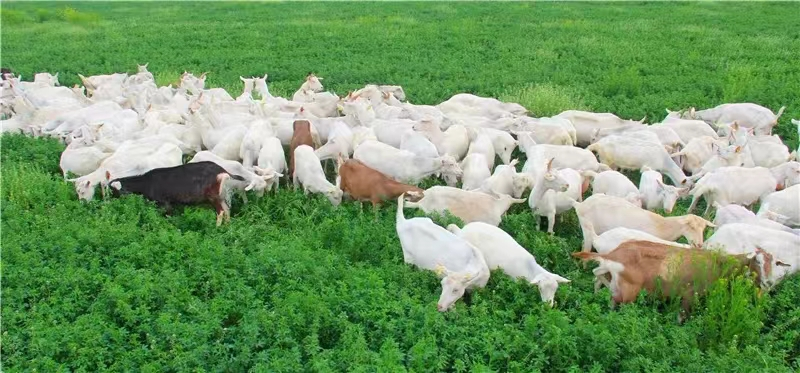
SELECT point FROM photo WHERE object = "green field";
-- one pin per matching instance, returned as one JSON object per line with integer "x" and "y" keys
{"x": 294, "y": 285}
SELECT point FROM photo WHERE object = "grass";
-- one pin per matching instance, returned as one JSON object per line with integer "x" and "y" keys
{"x": 547, "y": 99}
{"x": 293, "y": 284}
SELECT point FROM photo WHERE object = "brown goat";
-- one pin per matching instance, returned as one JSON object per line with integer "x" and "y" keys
{"x": 366, "y": 184}
{"x": 301, "y": 136}
{"x": 677, "y": 272}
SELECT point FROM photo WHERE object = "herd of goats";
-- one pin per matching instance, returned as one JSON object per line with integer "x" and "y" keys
{"x": 126, "y": 134}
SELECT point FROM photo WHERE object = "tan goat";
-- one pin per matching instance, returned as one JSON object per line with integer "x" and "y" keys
{"x": 676, "y": 272}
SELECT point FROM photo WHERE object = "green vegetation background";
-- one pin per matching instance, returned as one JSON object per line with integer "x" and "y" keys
{"x": 293, "y": 284}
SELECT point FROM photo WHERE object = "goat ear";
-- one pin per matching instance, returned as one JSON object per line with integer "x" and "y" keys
{"x": 87, "y": 183}
{"x": 243, "y": 79}
{"x": 738, "y": 149}
{"x": 108, "y": 175}
{"x": 248, "y": 187}
{"x": 782, "y": 264}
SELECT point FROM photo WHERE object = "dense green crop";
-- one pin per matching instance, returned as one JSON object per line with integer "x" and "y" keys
{"x": 293, "y": 284}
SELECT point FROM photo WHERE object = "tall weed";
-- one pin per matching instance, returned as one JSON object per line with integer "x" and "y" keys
{"x": 72, "y": 15}
{"x": 12, "y": 17}
{"x": 44, "y": 15}
{"x": 544, "y": 100}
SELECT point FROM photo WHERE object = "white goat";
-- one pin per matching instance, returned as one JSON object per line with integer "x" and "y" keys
{"x": 614, "y": 183}
{"x": 426, "y": 245}
{"x": 554, "y": 191}
{"x": 308, "y": 172}
{"x": 466, "y": 205}
{"x": 501, "y": 251}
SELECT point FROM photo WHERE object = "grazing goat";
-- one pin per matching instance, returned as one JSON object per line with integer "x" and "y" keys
{"x": 676, "y": 272}
{"x": 185, "y": 184}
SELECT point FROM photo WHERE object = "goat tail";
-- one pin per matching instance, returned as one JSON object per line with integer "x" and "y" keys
{"x": 589, "y": 174}
{"x": 454, "y": 229}
{"x": 86, "y": 82}
{"x": 400, "y": 217}
{"x": 779, "y": 113}
{"x": 582, "y": 255}
{"x": 677, "y": 154}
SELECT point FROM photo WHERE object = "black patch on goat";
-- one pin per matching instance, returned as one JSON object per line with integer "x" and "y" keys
{"x": 191, "y": 183}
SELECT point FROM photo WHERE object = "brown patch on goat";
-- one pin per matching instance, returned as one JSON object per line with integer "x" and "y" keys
{"x": 301, "y": 136}
{"x": 366, "y": 184}
{"x": 676, "y": 272}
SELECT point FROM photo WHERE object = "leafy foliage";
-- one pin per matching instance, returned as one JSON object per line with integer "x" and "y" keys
{"x": 547, "y": 99}
{"x": 293, "y": 284}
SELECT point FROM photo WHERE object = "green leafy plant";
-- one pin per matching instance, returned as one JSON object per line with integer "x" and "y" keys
{"x": 44, "y": 15}
{"x": 12, "y": 17}
{"x": 293, "y": 284}
{"x": 73, "y": 15}
{"x": 545, "y": 100}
